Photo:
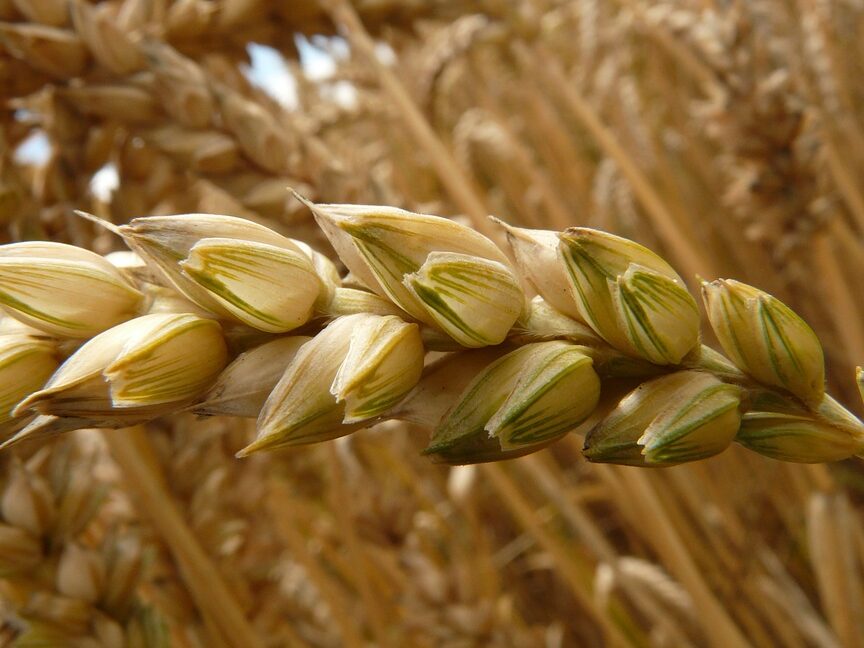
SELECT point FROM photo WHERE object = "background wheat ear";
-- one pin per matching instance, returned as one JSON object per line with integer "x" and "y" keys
{"x": 72, "y": 569}
{"x": 724, "y": 138}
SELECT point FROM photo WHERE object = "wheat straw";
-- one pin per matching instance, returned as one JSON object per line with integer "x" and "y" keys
{"x": 216, "y": 603}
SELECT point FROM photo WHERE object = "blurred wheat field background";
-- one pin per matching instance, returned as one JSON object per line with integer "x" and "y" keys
{"x": 729, "y": 137}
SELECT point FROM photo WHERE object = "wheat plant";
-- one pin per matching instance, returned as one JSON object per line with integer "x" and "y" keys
{"x": 727, "y": 137}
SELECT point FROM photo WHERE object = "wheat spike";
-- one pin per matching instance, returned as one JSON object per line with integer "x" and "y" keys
{"x": 454, "y": 289}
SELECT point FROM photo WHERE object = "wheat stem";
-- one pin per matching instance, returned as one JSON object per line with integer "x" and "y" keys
{"x": 846, "y": 183}
{"x": 512, "y": 497}
{"x": 454, "y": 178}
{"x": 341, "y": 501}
{"x": 671, "y": 228}
{"x": 847, "y": 309}
{"x": 831, "y": 536}
{"x": 132, "y": 451}
{"x": 281, "y": 503}
{"x": 722, "y": 630}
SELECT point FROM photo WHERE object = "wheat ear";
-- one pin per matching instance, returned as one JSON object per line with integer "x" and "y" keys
{"x": 573, "y": 330}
